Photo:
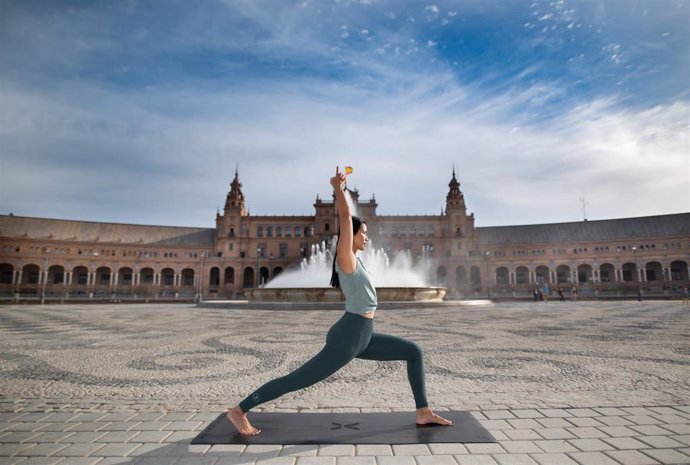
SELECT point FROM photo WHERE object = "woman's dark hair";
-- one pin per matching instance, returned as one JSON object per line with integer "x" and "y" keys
{"x": 356, "y": 224}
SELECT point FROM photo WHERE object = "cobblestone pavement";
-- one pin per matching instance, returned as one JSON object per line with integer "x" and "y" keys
{"x": 556, "y": 383}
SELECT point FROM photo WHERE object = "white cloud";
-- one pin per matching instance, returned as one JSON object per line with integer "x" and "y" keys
{"x": 166, "y": 154}
{"x": 162, "y": 169}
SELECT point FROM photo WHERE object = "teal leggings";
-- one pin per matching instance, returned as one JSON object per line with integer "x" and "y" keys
{"x": 350, "y": 337}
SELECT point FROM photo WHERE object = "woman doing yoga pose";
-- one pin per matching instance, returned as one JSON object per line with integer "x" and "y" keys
{"x": 352, "y": 335}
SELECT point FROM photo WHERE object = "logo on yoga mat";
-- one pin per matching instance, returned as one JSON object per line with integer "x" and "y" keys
{"x": 341, "y": 426}
{"x": 256, "y": 397}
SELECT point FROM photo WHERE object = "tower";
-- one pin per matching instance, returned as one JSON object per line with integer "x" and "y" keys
{"x": 460, "y": 224}
{"x": 235, "y": 199}
{"x": 228, "y": 225}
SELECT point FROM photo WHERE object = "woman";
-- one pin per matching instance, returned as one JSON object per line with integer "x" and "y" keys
{"x": 352, "y": 335}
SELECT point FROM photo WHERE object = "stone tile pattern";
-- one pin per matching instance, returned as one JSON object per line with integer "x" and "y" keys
{"x": 572, "y": 383}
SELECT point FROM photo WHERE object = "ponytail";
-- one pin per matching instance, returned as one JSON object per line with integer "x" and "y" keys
{"x": 335, "y": 279}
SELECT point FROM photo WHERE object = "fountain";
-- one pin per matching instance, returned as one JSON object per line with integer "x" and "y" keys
{"x": 397, "y": 280}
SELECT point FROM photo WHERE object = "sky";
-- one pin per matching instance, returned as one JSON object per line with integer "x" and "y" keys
{"x": 140, "y": 111}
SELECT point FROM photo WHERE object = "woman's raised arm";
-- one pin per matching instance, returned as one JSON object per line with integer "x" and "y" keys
{"x": 346, "y": 257}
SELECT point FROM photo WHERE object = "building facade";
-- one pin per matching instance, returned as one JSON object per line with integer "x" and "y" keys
{"x": 62, "y": 259}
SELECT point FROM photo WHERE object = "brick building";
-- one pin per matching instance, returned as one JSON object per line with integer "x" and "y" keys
{"x": 59, "y": 259}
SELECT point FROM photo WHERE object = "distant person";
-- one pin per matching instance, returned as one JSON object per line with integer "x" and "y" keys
{"x": 686, "y": 297}
{"x": 561, "y": 297}
{"x": 573, "y": 294}
{"x": 639, "y": 293}
{"x": 547, "y": 290}
{"x": 535, "y": 292}
{"x": 352, "y": 336}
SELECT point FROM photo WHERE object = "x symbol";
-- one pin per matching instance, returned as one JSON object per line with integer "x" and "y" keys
{"x": 340, "y": 425}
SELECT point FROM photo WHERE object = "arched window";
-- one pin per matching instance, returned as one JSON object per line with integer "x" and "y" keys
{"x": 229, "y": 276}
{"x": 630, "y": 272}
{"x": 475, "y": 277}
{"x": 679, "y": 271}
{"x": 563, "y": 274}
{"x": 542, "y": 274}
{"x": 460, "y": 277}
{"x": 584, "y": 273}
{"x": 168, "y": 277}
{"x": 188, "y": 277}
{"x": 103, "y": 276}
{"x": 502, "y": 276}
{"x": 521, "y": 275}
{"x": 263, "y": 275}
{"x": 80, "y": 275}
{"x": 124, "y": 277}
{"x": 248, "y": 278}
{"x": 654, "y": 271}
{"x": 6, "y": 273}
{"x": 56, "y": 274}
{"x": 214, "y": 277}
{"x": 607, "y": 273}
{"x": 146, "y": 276}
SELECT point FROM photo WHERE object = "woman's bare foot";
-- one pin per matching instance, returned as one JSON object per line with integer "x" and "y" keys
{"x": 425, "y": 416}
{"x": 238, "y": 418}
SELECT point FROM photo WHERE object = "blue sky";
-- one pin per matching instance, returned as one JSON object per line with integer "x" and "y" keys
{"x": 139, "y": 111}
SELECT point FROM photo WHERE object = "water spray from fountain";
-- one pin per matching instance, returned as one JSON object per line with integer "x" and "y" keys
{"x": 315, "y": 270}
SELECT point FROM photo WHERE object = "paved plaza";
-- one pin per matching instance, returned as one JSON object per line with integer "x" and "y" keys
{"x": 556, "y": 383}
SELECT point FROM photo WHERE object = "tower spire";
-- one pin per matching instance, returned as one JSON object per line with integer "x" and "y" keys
{"x": 235, "y": 197}
{"x": 454, "y": 197}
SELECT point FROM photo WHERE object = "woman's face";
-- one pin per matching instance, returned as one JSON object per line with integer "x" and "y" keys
{"x": 359, "y": 242}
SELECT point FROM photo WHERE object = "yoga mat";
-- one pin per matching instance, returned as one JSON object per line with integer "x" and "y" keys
{"x": 345, "y": 428}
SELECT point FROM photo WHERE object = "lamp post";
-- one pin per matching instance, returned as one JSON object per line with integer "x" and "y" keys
{"x": 95, "y": 275}
{"x": 45, "y": 276}
{"x": 136, "y": 276}
{"x": 258, "y": 273}
{"x": 664, "y": 279}
{"x": 201, "y": 277}
{"x": 485, "y": 256}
